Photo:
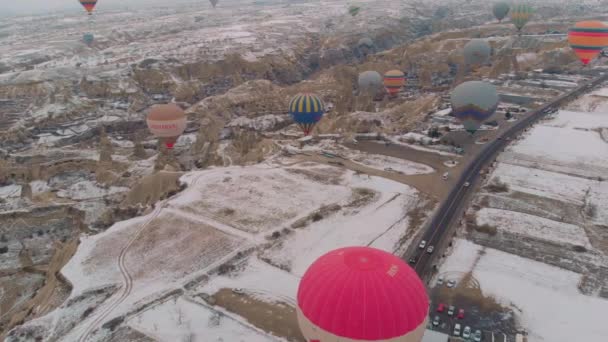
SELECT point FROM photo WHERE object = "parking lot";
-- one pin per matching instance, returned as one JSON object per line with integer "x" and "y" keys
{"x": 495, "y": 322}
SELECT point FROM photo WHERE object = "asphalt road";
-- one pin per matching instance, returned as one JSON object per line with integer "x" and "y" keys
{"x": 449, "y": 209}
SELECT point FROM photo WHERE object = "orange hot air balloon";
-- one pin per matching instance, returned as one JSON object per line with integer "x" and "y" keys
{"x": 394, "y": 80}
{"x": 167, "y": 122}
{"x": 88, "y": 5}
{"x": 588, "y": 39}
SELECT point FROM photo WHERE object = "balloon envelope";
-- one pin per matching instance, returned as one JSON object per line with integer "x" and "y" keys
{"x": 167, "y": 122}
{"x": 477, "y": 52}
{"x": 473, "y": 102}
{"x": 366, "y": 41}
{"x": 588, "y": 39}
{"x": 500, "y": 10}
{"x": 521, "y": 14}
{"x": 361, "y": 294}
{"x": 88, "y": 5}
{"x": 354, "y": 10}
{"x": 394, "y": 80}
{"x": 306, "y": 110}
{"x": 88, "y": 38}
{"x": 213, "y": 2}
{"x": 370, "y": 81}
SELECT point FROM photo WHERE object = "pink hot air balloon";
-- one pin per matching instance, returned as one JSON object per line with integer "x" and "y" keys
{"x": 167, "y": 122}
{"x": 358, "y": 294}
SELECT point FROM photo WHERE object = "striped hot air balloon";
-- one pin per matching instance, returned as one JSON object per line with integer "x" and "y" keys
{"x": 521, "y": 14}
{"x": 358, "y": 294}
{"x": 306, "y": 110}
{"x": 167, "y": 122}
{"x": 588, "y": 39}
{"x": 394, "y": 80}
{"x": 473, "y": 102}
{"x": 88, "y": 5}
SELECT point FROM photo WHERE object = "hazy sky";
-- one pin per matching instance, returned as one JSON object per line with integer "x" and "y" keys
{"x": 11, "y": 7}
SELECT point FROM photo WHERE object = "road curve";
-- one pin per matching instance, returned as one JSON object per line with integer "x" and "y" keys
{"x": 447, "y": 212}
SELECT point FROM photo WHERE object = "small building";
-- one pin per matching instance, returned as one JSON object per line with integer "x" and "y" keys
{"x": 435, "y": 336}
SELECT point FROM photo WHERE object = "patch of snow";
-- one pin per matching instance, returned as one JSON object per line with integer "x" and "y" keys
{"x": 88, "y": 190}
{"x": 8, "y": 191}
{"x": 551, "y": 307}
{"x": 534, "y": 227}
{"x": 182, "y": 320}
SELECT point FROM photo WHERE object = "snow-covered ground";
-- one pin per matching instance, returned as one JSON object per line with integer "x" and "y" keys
{"x": 547, "y": 298}
{"x": 533, "y": 226}
{"x": 225, "y": 211}
{"x": 556, "y": 198}
{"x": 182, "y": 320}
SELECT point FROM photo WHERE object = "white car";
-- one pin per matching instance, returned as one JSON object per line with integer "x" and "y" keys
{"x": 457, "y": 329}
{"x": 451, "y": 283}
{"x": 466, "y": 184}
{"x": 477, "y": 336}
{"x": 422, "y": 244}
{"x": 466, "y": 333}
{"x": 440, "y": 281}
{"x": 430, "y": 249}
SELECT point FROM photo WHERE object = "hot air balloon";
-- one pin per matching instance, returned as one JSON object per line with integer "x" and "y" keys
{"x": 354, "y": 10}
{"x": 88, "y": 5}
{"x": 501, "y": 9}
{"x": 521, "y": 14}
{"x": 473, "y": 102}
{"x": 588, "y": 39}
{"x": 213, "y": 2}
{"x": 88, "y": 38}
{"x": 167, "y": 122}
{"x": 370, "y": 82}
{"x": 477, "y": 52}
{"x": 306, "y": 110}
{"x": 361, "y": 294}
{"x": 366, "y": 42}
{"x": 394, "y": 80}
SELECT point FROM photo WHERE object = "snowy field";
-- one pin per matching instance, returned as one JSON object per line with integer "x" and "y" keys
{"x": 392, "y": 164}
{"x": 547, "y": 298}
{"x": 225, "y": 211}
{"x": 534, "y": 226}
{"x": 181, "y": 320}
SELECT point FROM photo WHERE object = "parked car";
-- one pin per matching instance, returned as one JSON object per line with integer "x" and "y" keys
{"x": 238, "y": 290}
{"x": 436, "y": 321}
{"x": 451, "y": 283}
{"x": 413, "y": 260}
{"x": 466, "y": 333}
{"x": 440, "y": 307}
{"x": 457, "y": 329}
{"x": 477, "y": 336}
{"x": 430, "y": 249}
{"x": 451, "y": 310}
{"x": 422, "y": 244}
{"x": 466, "y": 184}
{"x": 440, "y": 280}
{"x": 460, "y": 314}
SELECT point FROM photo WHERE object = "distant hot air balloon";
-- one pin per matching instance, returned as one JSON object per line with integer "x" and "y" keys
{"x": 367, "y": 42}
{"x": 88, "y": 38}
{"x": 306, "y": 110}
{"x": 213, "y": 2}
{"x": 88, "y": 5}
{"x": 354, "y": 10}
{"x": 394, "y": 80}
{"x": 370, "y": 82}
{"x": 167, "y": 122}
{"x": 501, "y": 9}
{"x": 521, "y": 14}
{"x": 473, "y": 102}
{"x": 477, "y": 52}
{"x": 358, "y": 294}
{"x": 588, "y": 39}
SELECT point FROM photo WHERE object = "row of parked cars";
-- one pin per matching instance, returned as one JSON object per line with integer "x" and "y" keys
{"x": 458, "y": 331}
